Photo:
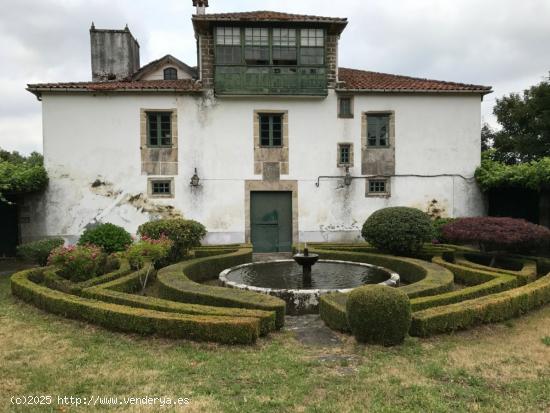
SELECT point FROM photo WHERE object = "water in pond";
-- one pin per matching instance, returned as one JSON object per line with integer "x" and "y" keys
{"x": 324, "y": 275}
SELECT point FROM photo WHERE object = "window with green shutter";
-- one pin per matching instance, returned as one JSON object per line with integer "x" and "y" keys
{"x": 345, "y": 154}
{"x": 345, "y": 107}
{"x": 271, "y": 129}
{"x": 159, "y": 129}
{"x": 378, "y": 187}
{"x": 378, "y": 130}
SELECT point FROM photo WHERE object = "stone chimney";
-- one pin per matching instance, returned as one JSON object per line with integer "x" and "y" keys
{"x": 201, "y": 6}
{"x": 115, "y": 54}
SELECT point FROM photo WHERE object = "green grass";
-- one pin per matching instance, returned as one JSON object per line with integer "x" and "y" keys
{"x": 489, "y": 369}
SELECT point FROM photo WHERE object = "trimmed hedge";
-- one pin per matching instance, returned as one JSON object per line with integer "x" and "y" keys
{"x": 117, "y": 292}
{"x": 424, "y": 278}
{"x": 378, "y": 314}
{"x": 179, "y": 282}
{"x": 227, "y": 330}
{"x": 55, "y": 281}
{"x": 332, "y": 310}
{"x": 488, "y": 309}
{"x": 526, "y": 273}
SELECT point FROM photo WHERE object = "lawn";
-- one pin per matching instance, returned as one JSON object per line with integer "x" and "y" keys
{"x": 497, "y": 368}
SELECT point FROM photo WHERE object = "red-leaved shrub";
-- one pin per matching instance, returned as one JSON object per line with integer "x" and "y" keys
{"x": 498, "y": 233}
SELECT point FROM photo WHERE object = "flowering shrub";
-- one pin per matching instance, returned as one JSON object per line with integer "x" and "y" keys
{"x": 497, "y": 233}
{"x": 148, "y": 250}
{"x": 78, "y": 263}
{"x": 185, "y": 234}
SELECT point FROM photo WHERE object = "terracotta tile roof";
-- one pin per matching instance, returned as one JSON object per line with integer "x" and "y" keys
{"x": 264, "y": 15}
{"x": 353, "y": 79}
{"x": 181, "y": 85}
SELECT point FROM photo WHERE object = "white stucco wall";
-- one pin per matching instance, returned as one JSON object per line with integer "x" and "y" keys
{"x": 89, "y": 137}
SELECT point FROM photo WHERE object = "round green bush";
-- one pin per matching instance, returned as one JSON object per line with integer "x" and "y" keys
{"x": 185, "y": 234}
{"x": 378, "y": 314}
{"x": 398, "y": 230}
{"x": 111, "y": 238}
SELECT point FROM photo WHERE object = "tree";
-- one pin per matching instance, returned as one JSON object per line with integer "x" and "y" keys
{"x": 487, "y": 137}
{"x": 498, "y": 234}
{"x": 525, "y": 120}
{"x": 21, "y": 174}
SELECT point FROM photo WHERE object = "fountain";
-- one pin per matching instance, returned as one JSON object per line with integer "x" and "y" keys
{"x": 306, "y": 261}
{"x": 300, "y": 282}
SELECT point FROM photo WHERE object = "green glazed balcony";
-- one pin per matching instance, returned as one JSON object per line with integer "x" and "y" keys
{"x": 270, "y": 80}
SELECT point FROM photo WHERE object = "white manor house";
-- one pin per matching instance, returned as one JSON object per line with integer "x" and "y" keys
{"x": 267, "y": 140}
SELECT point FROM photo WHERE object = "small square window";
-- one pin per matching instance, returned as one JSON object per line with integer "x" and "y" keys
{"x": 377, "y": 187}
{"x": 345, "y": 107}
{"x": 161, "y": 188}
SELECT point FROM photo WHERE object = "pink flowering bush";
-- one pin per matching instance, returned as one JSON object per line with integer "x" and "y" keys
{"x": 78, "y": 262}
{"x": 148, "y": 250}
{"x": 498, "y": 234}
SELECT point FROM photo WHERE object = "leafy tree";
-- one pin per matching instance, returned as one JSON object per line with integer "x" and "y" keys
{"x": 21, "y": 174}
{"x": 497, "y": 234}
{"x": 525, "y": 120}
{"x": 487, "y": 137}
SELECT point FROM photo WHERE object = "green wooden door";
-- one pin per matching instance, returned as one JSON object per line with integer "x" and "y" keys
{"x": 271, "y": 221}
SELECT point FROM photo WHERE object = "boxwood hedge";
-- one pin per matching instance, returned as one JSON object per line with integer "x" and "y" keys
{"x": 179, "y": 282}
{"x": 222, "y": 329}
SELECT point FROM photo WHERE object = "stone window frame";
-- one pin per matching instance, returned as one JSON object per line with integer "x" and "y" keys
{"x": 385, "y": 194}
{"x": 364, "y": 128}
{"x": 340, "y": 164}
{"x": 150, "y": 193}
{"x": 264, "y": 154}
{"x": 144, "y": 127}
{"x": 351, "y": 107}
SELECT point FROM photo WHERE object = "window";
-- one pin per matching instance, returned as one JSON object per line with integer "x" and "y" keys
{"x": 161, "y": 188}
{"x": 170, "y": 74}
{"x": 256, "y": 46}
{"x": 271, "y": 129}
{"x": 378, "y": 130}
{"x": 345, "y": 154}
{"x": 377, "y": 187}
{"x": 228, "y": 45}
{"x": 284, "y": 47}
{"x": 345, "y": 107}
{"x": 159, "y": 129}
{"x": 312, "y": 50}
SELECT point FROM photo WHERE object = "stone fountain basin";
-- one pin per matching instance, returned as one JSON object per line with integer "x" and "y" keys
{"x": 306, "y": 260}
{"x": 300, "y": 301}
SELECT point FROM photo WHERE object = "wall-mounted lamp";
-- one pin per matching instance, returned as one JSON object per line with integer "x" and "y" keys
{"x": 195, "y": 180}
{"x": 347, "y": 178}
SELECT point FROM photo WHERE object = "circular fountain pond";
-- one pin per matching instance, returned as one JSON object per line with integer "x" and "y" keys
{"x": 300, "y": 290}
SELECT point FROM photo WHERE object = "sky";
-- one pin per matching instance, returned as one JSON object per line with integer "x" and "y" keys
{"x": 501, "y": 43}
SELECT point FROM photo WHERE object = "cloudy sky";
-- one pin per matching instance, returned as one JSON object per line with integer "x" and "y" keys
{"x": 502, "y": 43}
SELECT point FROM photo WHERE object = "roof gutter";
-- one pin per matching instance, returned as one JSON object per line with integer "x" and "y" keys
{"x": 480, "y": 91}
{"x": 39, "y": 90}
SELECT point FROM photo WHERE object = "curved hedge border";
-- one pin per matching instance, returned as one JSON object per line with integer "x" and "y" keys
{"x": 117, "y": 292}
{"x": 55, "y": 281}
{"x": 179, "y": 282}
{"x": 526, "y": 274}
{"x": 227, "y": 330}
{"x": 488, "y": 309}
{"x": 424, "y": 278}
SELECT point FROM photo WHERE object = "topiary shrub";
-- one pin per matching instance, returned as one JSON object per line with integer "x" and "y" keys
{"x": 498, "y": 234}
{"x": 111, "y": 238}
{"x": 78, "y": 263}
{"x": 378, "y": 314}
{"x": 185, "y": 234}
{"x": 398, "y": 230}
{"x": 39, "y": 251}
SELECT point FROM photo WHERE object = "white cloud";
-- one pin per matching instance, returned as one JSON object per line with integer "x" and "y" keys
{"x": 503, "y": 43}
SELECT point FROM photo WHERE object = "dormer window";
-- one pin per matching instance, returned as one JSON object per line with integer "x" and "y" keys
{"x": 170, "y": 73}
